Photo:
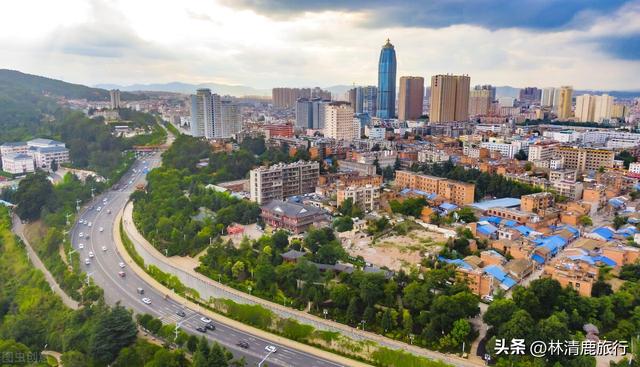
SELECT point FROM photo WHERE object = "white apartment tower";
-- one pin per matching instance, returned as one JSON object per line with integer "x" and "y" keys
{"x": 339, "y": 122}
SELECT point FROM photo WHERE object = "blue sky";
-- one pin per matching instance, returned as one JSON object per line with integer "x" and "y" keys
{"x": 585, "y": 43}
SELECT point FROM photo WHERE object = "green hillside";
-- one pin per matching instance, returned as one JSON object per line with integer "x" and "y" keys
{"x": 41, "y": 85}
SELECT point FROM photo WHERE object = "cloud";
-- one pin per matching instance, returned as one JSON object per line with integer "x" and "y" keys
{"x": 490, "y": 14}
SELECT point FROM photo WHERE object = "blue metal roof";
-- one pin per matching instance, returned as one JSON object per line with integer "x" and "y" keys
{"x": 487, "y": 229}
{"x": 448, "y": 206}
{"x": 510, "y": 223}
{"x": 585, "y": 258}
{"x": 604, "y": 232}
{"x": 497, "y": 203}
{"x": 457, "y": 262}
{"x": 494, "y": 220}
{"x": 605, "y": 260}
{"x": 616, "y": 202}
{"x": 524, "y": 230}
{"x": 500, "y": 275}
{"x": 537, "y": 258}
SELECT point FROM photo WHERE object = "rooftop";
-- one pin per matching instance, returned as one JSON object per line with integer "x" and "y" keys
{"x": 497, "y": 203}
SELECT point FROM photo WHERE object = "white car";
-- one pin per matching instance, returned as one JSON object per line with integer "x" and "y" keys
{"x": 91, "y": 254}
{"x": 81, "y": 235}
{"x": 99, "y": 208}
{"x": 271, "y": 348}
{"x": 205, "y": 320}
{"x": 89, "y": 224}
{"x": 81, "y": 246}
{"x": 104, "y": 248}
{"x": 87, "y": 261}
{"x": 101, "y": 229}
{"x": 121, "y": 265}
{"x": 146, "y": 301}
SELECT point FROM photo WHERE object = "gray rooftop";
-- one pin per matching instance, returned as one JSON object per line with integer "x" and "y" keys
{"x": 291, "y": 209}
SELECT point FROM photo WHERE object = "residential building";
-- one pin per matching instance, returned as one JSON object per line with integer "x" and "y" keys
{"x": 353, "y": 166}
{"x": 46, "y": 151}
{"x": 530, "y": 95}
{"x": 535, "y": 202}
{"x": 619, "y": 111}
{"x": 202, "y": 113}
{"x": 569, "y": 189}
{"x": 283, "y": 130}
{"x": 287, "y": 97}
{"x": 366, "y": 197}
{"x": 564, "y": 136}
{"x": 548, "y": 97}
{"x": 294, "y": 217}
{"x": 634, "y": 167}
{"x": 411, "y": 97}
{"x": 14, "y": 148}
{"x": 387, "y": 82}
{"x": 565, "y": 102}
{"x": 591, "y": 108}
{"x": 506, "y": 102}
{"x": 585, "y": 159}
{"x": 603, "y": 109}
{"x": 542, "y": 151}
{"x": 487, "y": 87}
{"x": 367, "y": 100}
{"x": 574, "y": 274}
{"x": 433, "y": 155}
{"x": 459, "y": 193}
{"x": 304, "y": 113}
{"x": 339, "y": 122}
{"x": 449, "y": 98}
{"x": 281, "y": 181}
{"x": 230, "y": 120}
{"x": 479, "y": 102}
{"x": 17, "y": 163}
{"x": 375, "y": 132}
{"x": 114, "y": 96}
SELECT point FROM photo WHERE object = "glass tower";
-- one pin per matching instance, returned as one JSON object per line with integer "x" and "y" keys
{"x": 387, "y": 82}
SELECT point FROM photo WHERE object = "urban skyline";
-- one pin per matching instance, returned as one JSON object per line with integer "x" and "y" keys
{"x": 99, "y": 42}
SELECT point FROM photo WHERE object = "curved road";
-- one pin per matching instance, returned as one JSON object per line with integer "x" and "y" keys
{"x": 104, "y": 268}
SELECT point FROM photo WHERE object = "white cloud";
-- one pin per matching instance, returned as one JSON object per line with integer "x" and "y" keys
{"x": 148, "y": 41}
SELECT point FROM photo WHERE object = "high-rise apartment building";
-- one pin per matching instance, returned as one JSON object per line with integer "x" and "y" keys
{"x": 565, "y": 102}
{"x": 530, "y": 95}
{"x": 366, "y": 197}
{"x": 479, "y": 102}
{"x": 585, "y": 159}
{"x": 548, "y": 97}
{"x": 114, "y": 95}
{"x": 619, "y": 111}
{"x": 411, "y": 97}
{"x": 339, "y": 122}
{"x": 231, "y": 120}
{"x": 304, "y": 113}
{"x": 459, "y": 193}
{"x": 202, "y": 113}
{"x": 387, "y": 82}
{"x": 490, "y": 88}
{"x": 590, "y": 108}
{"x": 449, "y": 98}
{"x": 287, "y": 97}
{"x": 367, "y": 100}
{"x": 281, "y": 181}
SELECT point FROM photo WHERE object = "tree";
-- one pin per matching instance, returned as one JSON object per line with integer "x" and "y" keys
{"x": 521, "y": 155}
{"x": 388, "y": 173}
{"x": 352, "y": 311}
{"x": 585, "y": 221}
{"x": 238, "y": 270}
{"x": 467, "y": 215}
{"x": 619, "y": 221}
{"x": 35, "y": 192}
{"x": 280, "y": 239}
{"x": 114, "y": 330}
{"x": 626, "y": 158}
{"x": 499, "y": 312}
{"x": 73, "y": 358}
{"x": 407, "y": 322}
{"x": 528, "y": 166}
{"x": 389, "y": 319}
{"x": 265, "y": 276}
{"x": 54, "y": 165}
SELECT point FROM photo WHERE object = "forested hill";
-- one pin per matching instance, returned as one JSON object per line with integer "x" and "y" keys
{"x": 15, "y": 80}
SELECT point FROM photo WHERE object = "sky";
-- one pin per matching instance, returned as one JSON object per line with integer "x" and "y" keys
{"x": 589, "y": 44}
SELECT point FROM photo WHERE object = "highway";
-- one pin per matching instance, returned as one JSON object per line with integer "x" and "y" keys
{"x": 105, "y": 266}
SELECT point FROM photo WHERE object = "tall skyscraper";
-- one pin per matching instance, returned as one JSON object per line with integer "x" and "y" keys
{"x": 339, "y": 122}
{"x": 449, "y": 98}
{"x": 352, "y": 97}
{"x": 231, "y": 120}
{"x": 367, "y": 100}
{"x": 304, "y": 113}
{"x": 530, "y": 95}
{"x": 213, "y": 118}
{"x": 565, "y": 102}
{"x": 411, "y": 96}
{"x": 202, "y": 114}
{"x": 114, "y": 94}
{"x": 387, "y": 82}
{"x": 479, "y": 102}
{"x": 548, "y": 96}
{"x": 590, "y": 108}
{"x": 287, "y": 97}
{"x": 488, "y": 87}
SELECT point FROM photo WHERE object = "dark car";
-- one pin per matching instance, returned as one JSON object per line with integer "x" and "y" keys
{"x": 243, "y": 344}
{"x": 210, "y": 326}
{"x": 181, "y": 313}
{"x": 201, "y": 329}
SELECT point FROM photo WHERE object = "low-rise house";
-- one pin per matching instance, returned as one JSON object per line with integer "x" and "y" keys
{"x": 296, "y": 218}
{"x": 519, "y": 269}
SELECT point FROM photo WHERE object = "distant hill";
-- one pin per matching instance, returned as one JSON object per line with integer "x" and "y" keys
{"x": 14, "y": 80}
{"x": 186, "y": 88}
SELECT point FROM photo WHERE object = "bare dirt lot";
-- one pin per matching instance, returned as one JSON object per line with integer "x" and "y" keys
{"x": 396, "y": 251}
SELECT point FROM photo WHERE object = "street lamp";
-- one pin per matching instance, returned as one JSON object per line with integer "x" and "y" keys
{"x": 325, "y": 312}
{"x": 411, "y": 337}
{"x": 363, "y": 322}
{"x": 250, "y": 289}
